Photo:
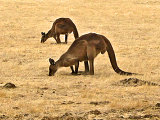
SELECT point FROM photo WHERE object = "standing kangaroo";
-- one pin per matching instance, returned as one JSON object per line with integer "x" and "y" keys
{"x": 86, "y": 48}
{"x": 60, "y": 26}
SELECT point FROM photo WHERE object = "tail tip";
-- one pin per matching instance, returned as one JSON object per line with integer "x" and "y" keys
{"x": 128, "y": 73}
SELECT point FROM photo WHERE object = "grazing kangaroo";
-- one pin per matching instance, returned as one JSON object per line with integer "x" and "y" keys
{"x": 86, "y": 48}
{"x": 60, "y": 26}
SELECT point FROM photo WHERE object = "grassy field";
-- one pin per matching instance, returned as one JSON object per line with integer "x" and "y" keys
{"x": 132, "y": 26}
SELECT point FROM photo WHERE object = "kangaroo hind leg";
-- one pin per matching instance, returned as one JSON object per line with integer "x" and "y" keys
{"x": 72, "y": 70}
{"x": 91, "y": 54}
{"x": 86, "y": 66}
{"x": 76, "y": 67}
{"x": 66, "y": 37}
{"x": 58, "y": 39}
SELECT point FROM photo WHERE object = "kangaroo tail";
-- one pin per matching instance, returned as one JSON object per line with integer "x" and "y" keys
{"x": 75, "y": 31}
{"x": 113, "y": 61}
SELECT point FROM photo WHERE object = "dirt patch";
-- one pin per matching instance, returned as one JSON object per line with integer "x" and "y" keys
{"x": 147, "y": 116}
{"x": 158, "y": 105}
{"x": 3, "y": 117}
{"x": 66, "y": 116}
{"x": 72, "y": 116}
{"x": 9, "y": 85}
{"x": 47, "y": 118}
{"x": 95, "y": 112}
{"x": 99, "y": 103}
{"x": 134, "y": 82}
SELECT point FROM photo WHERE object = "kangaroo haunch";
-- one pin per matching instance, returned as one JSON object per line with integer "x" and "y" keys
{"x": 60, "y": 26}
{"x": 86, "y": 48}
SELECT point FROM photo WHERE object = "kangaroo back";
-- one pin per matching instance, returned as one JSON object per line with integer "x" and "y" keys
{"x": 69, "y": 22}
{"x": 54, "y": 24}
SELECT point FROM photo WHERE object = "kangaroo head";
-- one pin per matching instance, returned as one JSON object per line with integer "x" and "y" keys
{"x": 52, "y": 67}
{"x": 43, "y": 38}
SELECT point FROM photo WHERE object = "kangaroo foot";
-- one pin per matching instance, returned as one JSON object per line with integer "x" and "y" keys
{"x": 87, "y": 72}
{"x": 75, "y": 74}
{"x": 84, "y": 73}
{"x": 91, "y": 73}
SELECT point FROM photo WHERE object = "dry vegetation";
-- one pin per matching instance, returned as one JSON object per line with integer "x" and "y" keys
{"x": 132, "y": 26}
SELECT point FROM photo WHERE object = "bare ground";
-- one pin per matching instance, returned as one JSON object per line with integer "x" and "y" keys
{"x": 132, "y": 26}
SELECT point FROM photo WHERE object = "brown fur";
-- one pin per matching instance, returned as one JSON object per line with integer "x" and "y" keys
{"x": 86, "y": 48}
{"x": 60, "y": 26}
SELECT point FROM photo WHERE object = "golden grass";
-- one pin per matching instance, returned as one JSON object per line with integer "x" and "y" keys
{"x": 132, "y": 26}
{"x": 2, "y": 94}
{"x": 127, "y": 104}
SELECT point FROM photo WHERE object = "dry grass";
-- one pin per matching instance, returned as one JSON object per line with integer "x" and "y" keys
{"x": 2, "y": 94}
{"x": 132, "y": 26}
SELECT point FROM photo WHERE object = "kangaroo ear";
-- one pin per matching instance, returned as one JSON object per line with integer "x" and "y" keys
{"x": 51, "y": 61}
{"x": 43, "y": 33}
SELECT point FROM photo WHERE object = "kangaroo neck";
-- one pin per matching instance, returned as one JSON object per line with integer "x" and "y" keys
{"x": 59, "y": 63}
{"x": 50, "y": 34}
{"x": 66, "y": 60}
